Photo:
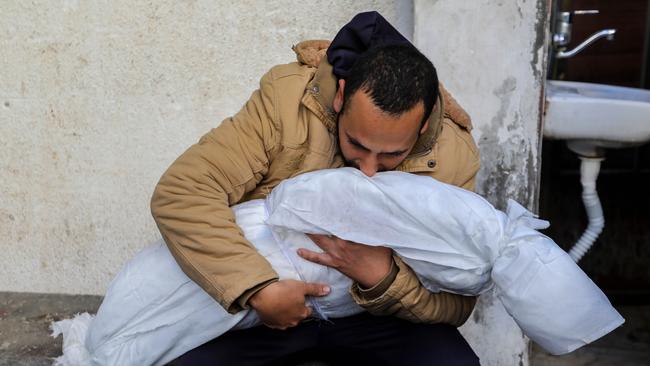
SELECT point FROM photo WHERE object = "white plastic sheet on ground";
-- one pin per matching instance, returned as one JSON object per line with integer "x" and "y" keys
{"x": 454, "y": 239}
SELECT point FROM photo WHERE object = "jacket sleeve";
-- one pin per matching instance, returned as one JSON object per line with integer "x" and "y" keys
{"x": 191, "y": 202}
{"x": 400, "y": 293}
{"x": 406, "y": 298}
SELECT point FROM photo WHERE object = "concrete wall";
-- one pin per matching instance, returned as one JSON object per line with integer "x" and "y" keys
{"x": 97, "y": 98}
{"x": 491, "y": 56}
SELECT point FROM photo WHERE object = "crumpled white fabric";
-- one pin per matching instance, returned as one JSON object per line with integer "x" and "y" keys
{"x": 454, "y": 240}
{"x": 153, "y": 313}
{"x": 74, "y": 335}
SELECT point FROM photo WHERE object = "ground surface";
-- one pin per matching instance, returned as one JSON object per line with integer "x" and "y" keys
{"x": 25, "y": 335}
{"x": 25, "y": 325}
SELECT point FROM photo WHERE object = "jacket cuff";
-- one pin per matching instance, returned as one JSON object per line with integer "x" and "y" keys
{"x": 237, "y": 299}
{"x": 406, "y": 298}
{"x": 384, "y": 303}
{"x": 379, "y": 289}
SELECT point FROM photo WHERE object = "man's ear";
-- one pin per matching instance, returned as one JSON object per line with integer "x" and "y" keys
{"x": 425, "y": 126}
{"x": 339, "y": 97}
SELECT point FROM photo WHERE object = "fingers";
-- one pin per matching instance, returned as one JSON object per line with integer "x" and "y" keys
{"x": 308, "y": 312}
{"x": 316, "y": 289}
{"x": 276, "y": 327}
{"x": 317, "y": 237}
{"x": 324, "y": 259}
{"x": 281, "y": 305}
{"x": 322, "y": 241}
{"x": 283, "y": 327}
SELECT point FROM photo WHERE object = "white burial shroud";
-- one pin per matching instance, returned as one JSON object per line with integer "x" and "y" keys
{"x": 454, "y": 239}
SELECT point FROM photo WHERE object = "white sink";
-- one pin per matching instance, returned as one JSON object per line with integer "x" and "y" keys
{"x": 597, "y": 115}
{"x": 591, "y": 117}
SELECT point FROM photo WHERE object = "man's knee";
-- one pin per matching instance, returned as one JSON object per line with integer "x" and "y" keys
{"x": 400, "y": 342}
{"x": 442, "y": 344}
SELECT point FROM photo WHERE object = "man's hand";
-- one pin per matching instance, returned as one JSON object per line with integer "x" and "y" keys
{"x": 365, "y": 264}
{"x": 281, "y": 305}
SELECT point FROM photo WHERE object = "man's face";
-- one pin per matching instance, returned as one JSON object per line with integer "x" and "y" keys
{"x": 371, "y": 140}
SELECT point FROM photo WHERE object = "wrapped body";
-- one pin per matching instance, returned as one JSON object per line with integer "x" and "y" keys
{"x": 452, "y": 238}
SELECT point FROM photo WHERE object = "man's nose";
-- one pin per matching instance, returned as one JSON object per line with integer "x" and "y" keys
{"x": 369, "y": 166}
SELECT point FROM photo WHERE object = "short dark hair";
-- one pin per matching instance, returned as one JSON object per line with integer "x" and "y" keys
{"x": 396, "y": 78}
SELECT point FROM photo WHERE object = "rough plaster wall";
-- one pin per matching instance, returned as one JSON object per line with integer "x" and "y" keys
{"x": 98, "y": 97}
{"x": 490, "y": 55}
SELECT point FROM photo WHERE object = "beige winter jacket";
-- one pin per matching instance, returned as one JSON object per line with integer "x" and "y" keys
{"x": 288, "y": 128}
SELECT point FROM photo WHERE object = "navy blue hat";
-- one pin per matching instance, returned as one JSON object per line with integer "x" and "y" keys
{"x": 364, "y": 31}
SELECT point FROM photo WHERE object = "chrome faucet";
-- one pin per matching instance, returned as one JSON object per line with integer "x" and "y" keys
{"x": 562, "y": 37}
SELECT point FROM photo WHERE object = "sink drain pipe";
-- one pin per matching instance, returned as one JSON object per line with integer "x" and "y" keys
{"x": 589, "y": 169}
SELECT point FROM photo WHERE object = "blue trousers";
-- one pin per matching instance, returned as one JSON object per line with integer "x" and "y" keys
{"x": 359, "y": 340}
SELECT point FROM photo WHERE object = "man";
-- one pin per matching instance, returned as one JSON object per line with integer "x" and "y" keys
{"x": 371, "y": 103}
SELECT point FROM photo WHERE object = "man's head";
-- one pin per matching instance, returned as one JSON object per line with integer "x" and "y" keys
{"x": 384, "y": 105}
